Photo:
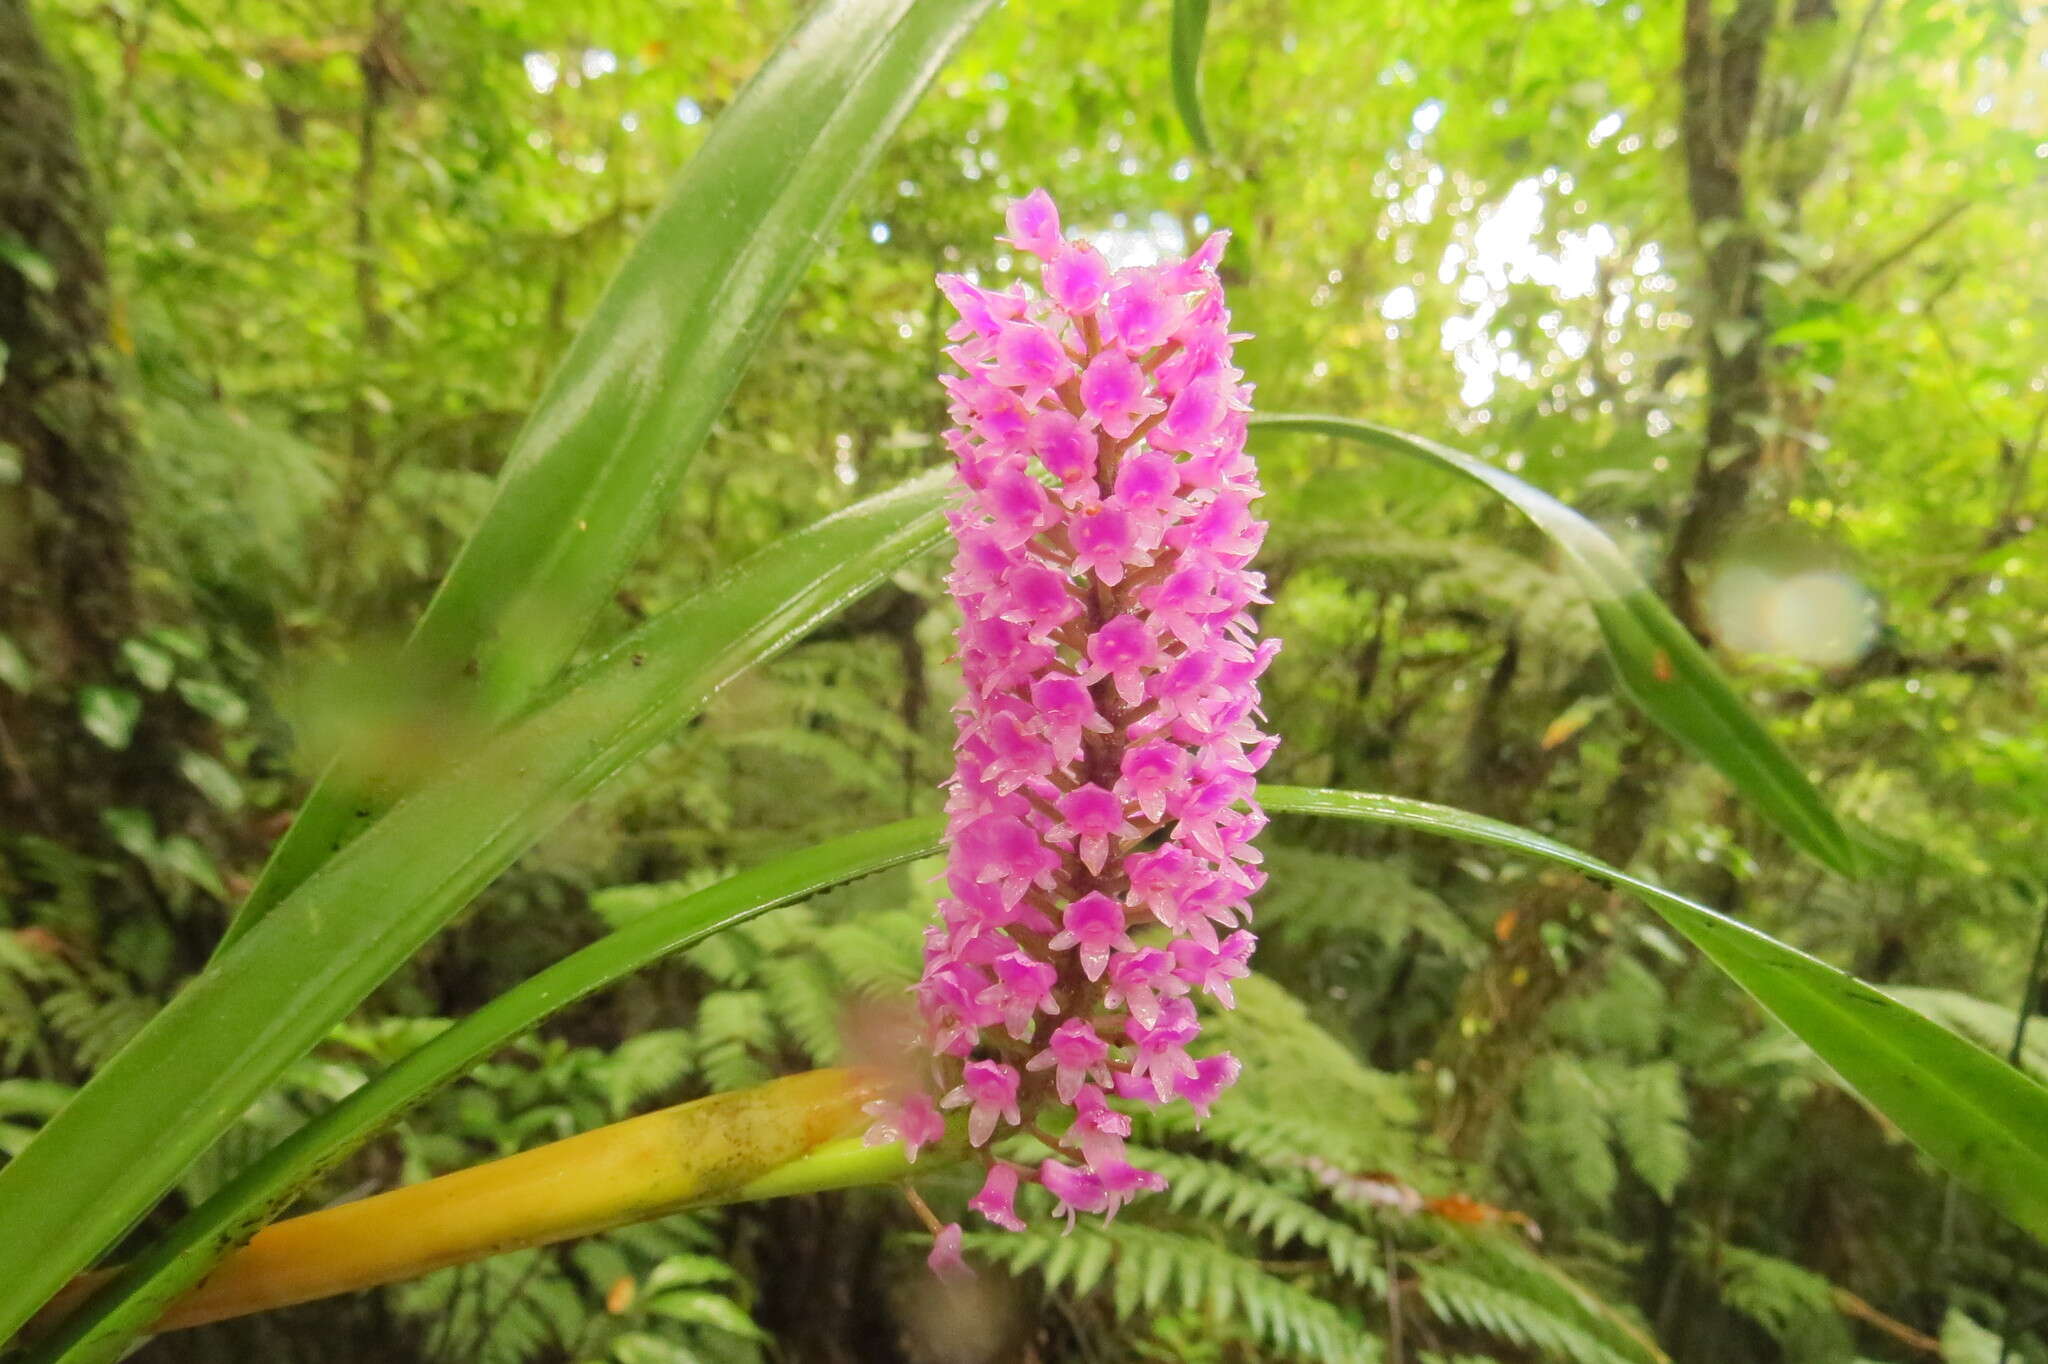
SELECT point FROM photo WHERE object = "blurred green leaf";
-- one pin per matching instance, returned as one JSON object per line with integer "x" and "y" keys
{"x": 149, "y": 665}
{"x": 14, "y": 669}
{"x": 214, "y": 780}
{"x": 1190, "y": 28}
{"x": 109, "y": 714}
{"x": 214, "y": 701}
{"x": 27, "y": 262}
{"x": 133, "y": 830}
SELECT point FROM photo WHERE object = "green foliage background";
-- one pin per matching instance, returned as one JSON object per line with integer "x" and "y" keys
{"x": 348, "y": 241}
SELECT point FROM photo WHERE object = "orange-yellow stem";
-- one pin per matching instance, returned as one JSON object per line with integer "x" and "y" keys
{"x": 790, "y": 1135}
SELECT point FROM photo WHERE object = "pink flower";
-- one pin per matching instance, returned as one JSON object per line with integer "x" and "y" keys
{"x": 1122, "y": 1181}
{"x": 1212, "y": 970}
{"x": 1098, "y": 1131}
{"x": 1076, "y": 277}
{"x": 1107, "y": 540}
{"x": 1094, "y": 817}
{"x": 1074, "y": 1053}
{"x": 1031, "y": 359}
{"x": 1115, "y": 393}
{"x": 1075, "y": 1190}
{"x": 1137, "y": 979}
{"x": 990, "y": 1087}
{"x": 1150, "y": 771}
{"x": 1142, "y": 313}
{"x": 945, "y": 1260}
{"x": 1093, "y": 926}
{"x": 1063, "y": 445}
{"x": 1067, "y": 712}
{"x": 1034, "y": 224}
{"x": 1124, "y": 649}
{"x": 1023, "y": 989}
{"x": 1209, "y": 1078}
{"x": 911, "y": 1120}
{"x": 997, "y": 1200}
{"x": 1109, "y": 658}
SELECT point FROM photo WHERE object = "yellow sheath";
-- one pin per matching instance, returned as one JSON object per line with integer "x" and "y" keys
{"x": 721, "y": 1149}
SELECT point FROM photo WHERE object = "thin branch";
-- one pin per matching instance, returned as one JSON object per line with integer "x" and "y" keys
{"x": 1870, "y": 272}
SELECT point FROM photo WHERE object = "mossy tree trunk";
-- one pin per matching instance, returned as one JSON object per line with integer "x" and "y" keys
{"x": 68, "y": 599}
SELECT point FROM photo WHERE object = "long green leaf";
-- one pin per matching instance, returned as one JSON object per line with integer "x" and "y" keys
{"x": 1973, "y": 1115}
{"x": 1791, "y": 984}
{"x": 125, "y": 1307}
{"x": 633, "y": 400}
{"x": 1190, "y": 28}
{"x": 109, "y": 1154}
{"x": 1661, "y": 667}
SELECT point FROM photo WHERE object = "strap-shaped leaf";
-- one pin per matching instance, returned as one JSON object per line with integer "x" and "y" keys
{"x": 110, "y": 1153}
{"x": 1660, "y": 666}
{"x": 102, "y": 1328}
{"x": 1974, "y": 1115}
{"x": 634, "y": 398}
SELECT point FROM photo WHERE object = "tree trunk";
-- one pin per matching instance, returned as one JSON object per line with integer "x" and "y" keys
{"x": 67, "y": 593}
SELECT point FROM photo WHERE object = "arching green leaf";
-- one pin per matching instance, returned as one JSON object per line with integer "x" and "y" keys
{"x": 1974, "y": 1115}
{"x": 1660, "y": 666}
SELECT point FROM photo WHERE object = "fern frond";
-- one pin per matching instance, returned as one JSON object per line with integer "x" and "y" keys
{"x": 734, "y": 1032}
{"x": 805, "y": 1000}
{"x": 1151, "y": 1271}
{"x": 1262, "y": 1206}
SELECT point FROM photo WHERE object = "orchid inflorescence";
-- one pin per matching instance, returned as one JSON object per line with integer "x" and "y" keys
{"x": 1110, "y": 661}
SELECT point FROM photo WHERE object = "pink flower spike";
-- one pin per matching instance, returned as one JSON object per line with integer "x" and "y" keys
{"x": 945, "y": 1260}
{"x": 1034, "y": 224}
{"x": 997, "y": 1200}
{"x": 1109, "y": 662}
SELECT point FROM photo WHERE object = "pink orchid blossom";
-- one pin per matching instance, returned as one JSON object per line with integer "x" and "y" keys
{"x": 1101, "y": 812}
